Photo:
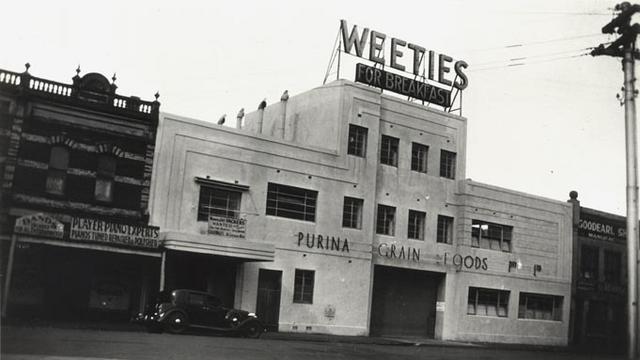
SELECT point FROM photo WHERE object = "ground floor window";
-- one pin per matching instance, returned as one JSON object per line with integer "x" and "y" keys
{"x": 487, "y": 302}
{"x": 540, "y": 307}
{"x": 303, "y": 287}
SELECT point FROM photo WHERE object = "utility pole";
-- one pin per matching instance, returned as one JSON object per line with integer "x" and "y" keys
{"x": 625, "y": 47}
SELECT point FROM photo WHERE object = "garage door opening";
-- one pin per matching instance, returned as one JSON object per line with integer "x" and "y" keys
{"x": 404, "y": 302}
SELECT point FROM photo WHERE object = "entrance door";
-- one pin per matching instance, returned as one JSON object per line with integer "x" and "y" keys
{"x": 404, "y": 302}
{"x": 268, "y": 304}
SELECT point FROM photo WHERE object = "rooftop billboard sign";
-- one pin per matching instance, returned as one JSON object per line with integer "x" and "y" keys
{"x": 436, "y": 68}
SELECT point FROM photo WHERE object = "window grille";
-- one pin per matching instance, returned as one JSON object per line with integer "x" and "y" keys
{"x": 291, "y": 202}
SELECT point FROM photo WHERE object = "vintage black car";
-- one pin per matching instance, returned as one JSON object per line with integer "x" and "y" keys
{"x": 177, "y": 310}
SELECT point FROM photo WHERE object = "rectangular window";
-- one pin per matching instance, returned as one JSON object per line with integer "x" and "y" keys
{"x": 415, "y": 230}
{"x": 291, "y": 202}
{"x": 491, "y": 236}
{"x": 389, "y": 150}
{"x": 589, "y": 260}
{"x": 57, "y": 173}
{"x": 386, "y": 220}
{"x": 447, "y": 164}
{"x": 419, "y": 157}
{"x": 357, "y": 140}
{"x": 487, "y": 302}
{"x": 612, "y": 267}
{"x": 105, "y": 174}
{"x": 218, "y": 202}
{"x": 303, "y": 287}
{"x": 352, "y": 213}
{"x": 445, "y": 230}
{"x": 540, "y": 307}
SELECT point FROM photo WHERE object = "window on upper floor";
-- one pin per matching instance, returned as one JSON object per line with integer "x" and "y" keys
{"x": 540, "y": 307}
{"x": 57, "y": 172}
{"x": 218, "y": 202}
{"x": 415, "y": 228}
{"x": 303, "y": 286}
{"x": 487, "y": 302}
{"x": 445, "y": 229}
{"x": 352, "y": 213}
{"x": 357, "y": 140}
{"x": 105, "y": 175}
{"x": 389, "y": 150}
{"x": 447, "y": 164}
{"x": 419, "y": 157}
{"x": 589, "y": 262}
{"x": 386, "y": 220}
{"x": 613, "y": 267}
{"x": 291, "y": 202}
{"x": 492, "y": 236}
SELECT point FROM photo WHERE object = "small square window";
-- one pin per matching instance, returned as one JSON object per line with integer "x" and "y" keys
{"x": 357, "y": 140}
{"x": 386, "y": 221}
{"x": 303, "y": 286}
{"x": 447, "y": 164}
{"x": 491, "y": 236}
{"x": 445, "y": 230}
{"x": 419, "y": 157}
{"x": 218, "y": 202}
{"x": 415, "y": 228}
{"x": 389, "y": 150}
{"x": 352, "y": 213}
{"x": 487, "y": 302}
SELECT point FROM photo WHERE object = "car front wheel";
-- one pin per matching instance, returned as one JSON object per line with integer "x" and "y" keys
{"x": 176, "y": 323}
{"x": 252, "y": 330}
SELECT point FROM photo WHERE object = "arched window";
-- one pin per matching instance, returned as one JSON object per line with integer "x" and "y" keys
{"x": 104, "y": 178}
{"x": 57, "y": 174}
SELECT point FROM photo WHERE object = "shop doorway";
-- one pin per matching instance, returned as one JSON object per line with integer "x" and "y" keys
{"x": 268, "y": 303}
{"x": 404, "y": 302}
{"x": 209, "y": 273}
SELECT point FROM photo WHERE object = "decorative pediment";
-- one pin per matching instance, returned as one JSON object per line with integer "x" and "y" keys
{"x": 95, "y": 82}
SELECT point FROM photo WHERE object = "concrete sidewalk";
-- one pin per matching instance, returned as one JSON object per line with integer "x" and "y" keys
{"x": 399, "y": 341}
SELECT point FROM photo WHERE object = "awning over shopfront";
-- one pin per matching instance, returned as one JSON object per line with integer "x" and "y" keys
{"x": 218, "y": 245}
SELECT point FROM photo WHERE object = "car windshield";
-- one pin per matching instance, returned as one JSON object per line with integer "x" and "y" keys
{"x": 163, "y": 297}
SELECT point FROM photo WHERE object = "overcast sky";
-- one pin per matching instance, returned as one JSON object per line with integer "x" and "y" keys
{"x": 546, "y": 127}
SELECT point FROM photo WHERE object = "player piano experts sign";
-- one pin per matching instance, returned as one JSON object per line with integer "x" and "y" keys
{"x": 95, "y": 230}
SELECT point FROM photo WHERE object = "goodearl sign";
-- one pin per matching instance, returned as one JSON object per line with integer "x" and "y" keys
{"x": 437, "y": 66}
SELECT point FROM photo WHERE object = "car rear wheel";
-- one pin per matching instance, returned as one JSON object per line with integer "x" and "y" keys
{"x": 176, "y": 323}
{"x": 252, "y": 330}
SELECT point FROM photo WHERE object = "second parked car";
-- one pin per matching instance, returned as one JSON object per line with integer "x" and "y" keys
{"x": 178, "y": 310}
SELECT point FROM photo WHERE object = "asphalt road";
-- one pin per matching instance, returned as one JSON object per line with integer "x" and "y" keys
{"x": 25, "y": 343}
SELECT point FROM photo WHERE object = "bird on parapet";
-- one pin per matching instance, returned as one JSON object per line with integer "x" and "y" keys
{"x": 285, "y": 96}
{"x": 222, "y": 119}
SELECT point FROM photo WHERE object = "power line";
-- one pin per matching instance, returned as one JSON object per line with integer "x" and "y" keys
{"x": 572, "y": 13}
{"x": 528, "y": 63}
{"x": 569, "y": 38}
{"x": 521, "y": 58}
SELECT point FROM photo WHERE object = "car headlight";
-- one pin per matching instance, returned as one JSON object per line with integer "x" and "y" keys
{"x": 253, "y": 315}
